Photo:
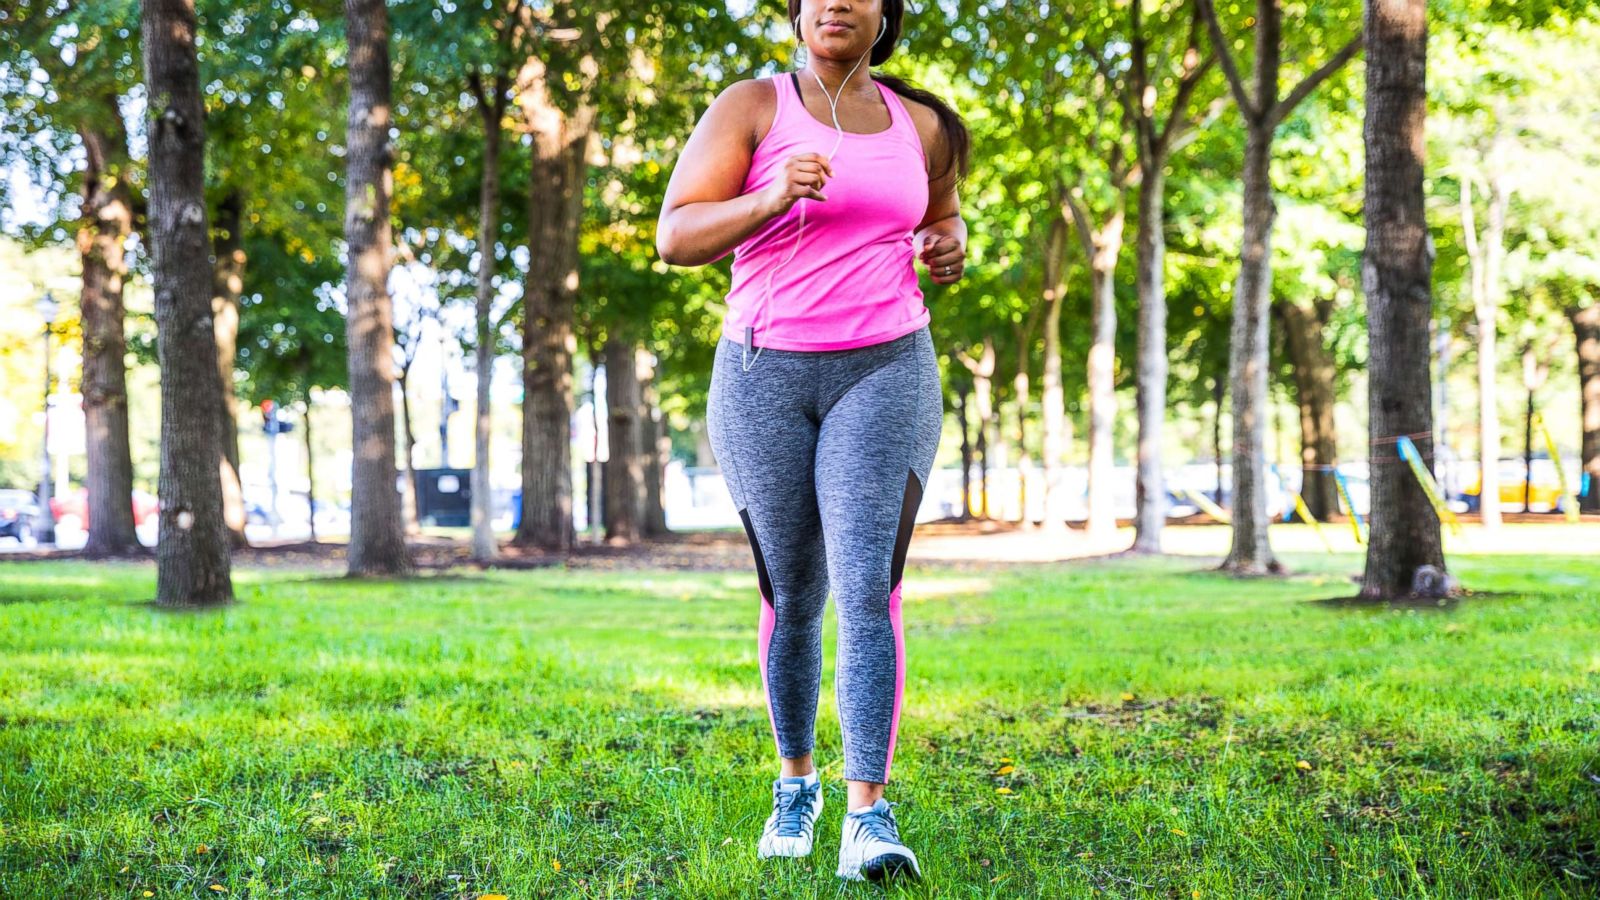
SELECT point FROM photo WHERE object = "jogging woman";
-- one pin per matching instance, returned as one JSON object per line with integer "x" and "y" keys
{"x": 827, "y": 185}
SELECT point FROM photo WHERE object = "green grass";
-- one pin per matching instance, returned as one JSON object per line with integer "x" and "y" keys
{"x": 459, "y": 735}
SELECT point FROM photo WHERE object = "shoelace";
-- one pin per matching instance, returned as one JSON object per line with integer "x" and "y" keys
{"x": 880, "y": 826}
{"x": 792, "y": 808}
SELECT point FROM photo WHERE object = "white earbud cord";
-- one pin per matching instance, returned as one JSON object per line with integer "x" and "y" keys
{"x": 833, "y": 107}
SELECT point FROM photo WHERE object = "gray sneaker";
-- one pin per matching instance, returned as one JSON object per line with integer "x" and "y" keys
{"x": 871, "y": 847}
{"x": 795, "y": 808}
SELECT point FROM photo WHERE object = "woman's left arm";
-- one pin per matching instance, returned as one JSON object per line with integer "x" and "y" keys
{"x": 941, "y": 238}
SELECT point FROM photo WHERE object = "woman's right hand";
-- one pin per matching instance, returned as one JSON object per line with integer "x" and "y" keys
{"x": 803, "y": 177}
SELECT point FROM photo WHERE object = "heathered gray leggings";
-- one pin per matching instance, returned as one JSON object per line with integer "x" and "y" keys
{"x": 826, "y": 454}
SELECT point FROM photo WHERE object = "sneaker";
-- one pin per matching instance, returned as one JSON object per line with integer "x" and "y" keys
{"x": 795, "y": 808}
{"x": 871, "y": 847}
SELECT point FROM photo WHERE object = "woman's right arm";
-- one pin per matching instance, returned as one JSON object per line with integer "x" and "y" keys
{"x": 704, "y": 215}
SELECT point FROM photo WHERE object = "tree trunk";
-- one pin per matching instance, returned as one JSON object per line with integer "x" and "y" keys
{"x": 491, "y": 109}
{"x": 963, "y": 392}
{"x": 1217, "y": 396}
{"x": 1251, "y": 553}
{"x": 410, "y": 487}
{"x": 1022, "y": 391}
{"x": 560, "y": 145}
{"x": 311, "y": 470}
{"x": 1102, "y": 375}
{"x": 1485, "y": 255}
{"x": 377, "y": 537}
{"x": 1314, "y": 372}
{"x": 983, "y": 396}
{"x": 227, "y": 283}
{"x": 1586, "y": 329}
{"x": 107, "y": 222}
{"x": 192, "y": 563}
{"x": 1053, "y": 450}
{"x": 656, "y": 448}
{"x": 1397, "y": 271}
{"x": 1151, "y": 493}
{"x": 623, "y": 478}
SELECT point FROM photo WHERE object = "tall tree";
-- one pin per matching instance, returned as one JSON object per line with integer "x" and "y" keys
{"x": 227, "y": 283}
{"x": 1263, "y": 111}
{"x": 102, "y": 240}
{"x": 561, "y": 134}
{"x": 377, "y": 540}
{"x": 491, "y": 96}
{"x": 1397, "y": 278}
{"x": 192, "y": 562}
{"x": 1586, "y": 332}
{"x": 1486, "y": 252}
{"x": 1144, "y": 88}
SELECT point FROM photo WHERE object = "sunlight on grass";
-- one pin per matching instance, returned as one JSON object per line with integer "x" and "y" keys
{"x": 1124, "y": 726}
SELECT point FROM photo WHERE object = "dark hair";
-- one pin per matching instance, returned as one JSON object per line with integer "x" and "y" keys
{"x": 956, "y": 137}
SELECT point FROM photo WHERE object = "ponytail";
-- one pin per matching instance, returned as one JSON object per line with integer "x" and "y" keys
{"x": 957, "y": 139}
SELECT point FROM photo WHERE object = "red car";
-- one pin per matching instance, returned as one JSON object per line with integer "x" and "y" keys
{"x": 77, "y": 504}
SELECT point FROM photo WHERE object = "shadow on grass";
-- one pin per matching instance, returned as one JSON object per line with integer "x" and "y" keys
{"x": 1425, "y": 604}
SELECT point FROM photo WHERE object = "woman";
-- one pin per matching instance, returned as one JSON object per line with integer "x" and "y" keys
{"x": 826, "y": 405}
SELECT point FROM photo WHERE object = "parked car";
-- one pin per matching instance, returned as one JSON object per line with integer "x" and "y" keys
{"x": 76, "y": 505}
{"x": 19, "y": 514}
{"x": 1545, "y": 492}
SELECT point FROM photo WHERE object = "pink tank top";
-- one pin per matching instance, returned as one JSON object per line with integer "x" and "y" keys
{"x": 852, "y": 282}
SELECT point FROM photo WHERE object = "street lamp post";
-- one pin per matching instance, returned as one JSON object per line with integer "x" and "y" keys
{"x": 45, "y": 526}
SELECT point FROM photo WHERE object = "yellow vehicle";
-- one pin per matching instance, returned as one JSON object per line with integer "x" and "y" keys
{"x": 1545, "y": 493}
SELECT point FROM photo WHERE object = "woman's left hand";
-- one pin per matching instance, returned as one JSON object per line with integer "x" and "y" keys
{"x": 945, "y": 257}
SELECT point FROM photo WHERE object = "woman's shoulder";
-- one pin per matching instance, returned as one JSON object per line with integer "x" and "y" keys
{"x": 753, "y": 101}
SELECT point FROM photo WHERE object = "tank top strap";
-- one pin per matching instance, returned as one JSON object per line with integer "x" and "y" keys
{"x": 903, "y": 124}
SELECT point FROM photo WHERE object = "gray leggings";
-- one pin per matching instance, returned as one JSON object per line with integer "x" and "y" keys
{"x": 826, "y": 455}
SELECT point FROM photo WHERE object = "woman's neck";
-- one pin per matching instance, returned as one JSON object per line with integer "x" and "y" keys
{"x": 833, "y": 73}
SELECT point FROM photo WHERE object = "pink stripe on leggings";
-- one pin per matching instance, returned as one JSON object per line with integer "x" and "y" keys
{"x": 769, "y": 621}
{"x": 899, "y": 674}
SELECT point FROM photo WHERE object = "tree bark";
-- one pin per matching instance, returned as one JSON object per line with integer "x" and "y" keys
{"x": 491, "y": 108}
{"x": 1053, "y": 450}
{"x": 1023, "y": 393}
{"x": 1103, "y": 247}
{"x": 1314, "y": 373}
{"x": 1485, "y": 255}
{"x": 102, "y": 239}
{"x": 311, "y": 469}
{"x": 1151, "y": 491}
{"x": 377, "y": 538}
{"x": 983, "y": 369}
{"x": 560, "y": 147}
{"x": 1397, "y": 271}
{"x": 623, "y": 478}
{"x": 963, "y": 392}
{"x": 656, "y": 448}
{"x": 1586, "y": 331}
{"x": 227, "y": 283}
{"x": 1251, "y": 553}
{"x": 192, "y": 562}
{"x": 410, "y": 486}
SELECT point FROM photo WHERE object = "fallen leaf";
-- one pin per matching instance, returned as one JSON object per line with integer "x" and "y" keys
{"x": 219, "y": 889}
{"x": 555, "y": 864}
{"x": 1302, "y": 764}
{"x": 202, "y": 849}
{"x": 1179, "y": 832}
{"x": 1006, "y": 759}
{"x": 493, "y": 897}
{"x": 1006, "y": 770}
{"x": 121, "y": 870}
{"x": 1002, "y": 790}
{"x": 147, "y": 894}
{"x": 1126, "y": 696}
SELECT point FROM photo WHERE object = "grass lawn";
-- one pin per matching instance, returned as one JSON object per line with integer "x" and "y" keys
{"x": 1136, "y": 728}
